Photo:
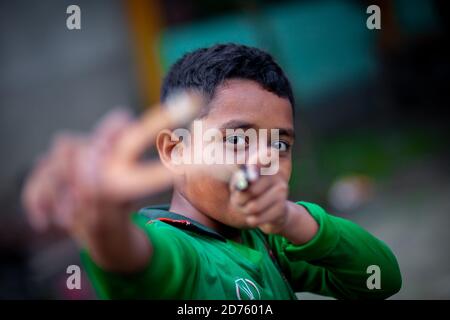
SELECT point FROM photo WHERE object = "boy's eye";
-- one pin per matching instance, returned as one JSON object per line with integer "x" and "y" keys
{"x": 236, "y": 140}
{"x": 280, "y": 145}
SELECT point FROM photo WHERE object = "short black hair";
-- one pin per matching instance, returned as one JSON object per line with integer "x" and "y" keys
{"x": 207, "y": 68}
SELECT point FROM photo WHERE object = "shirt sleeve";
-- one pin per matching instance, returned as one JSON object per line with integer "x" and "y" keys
{"x": 338, "y": 261}
{"x": 169, "y": 272}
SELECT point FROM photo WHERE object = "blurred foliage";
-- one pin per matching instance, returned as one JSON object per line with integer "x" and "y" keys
{"x": 376, "y": 154}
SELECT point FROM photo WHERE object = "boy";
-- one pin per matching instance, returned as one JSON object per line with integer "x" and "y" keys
{"x": 215, "y": 240}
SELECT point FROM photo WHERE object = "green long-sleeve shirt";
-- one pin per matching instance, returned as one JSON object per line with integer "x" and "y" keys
{"x": 190, "y": 261}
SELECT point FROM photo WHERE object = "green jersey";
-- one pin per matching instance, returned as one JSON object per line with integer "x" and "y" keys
{"x": 191, "y": 261}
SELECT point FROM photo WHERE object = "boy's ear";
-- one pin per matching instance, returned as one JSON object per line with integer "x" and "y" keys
{"x": 170, "y": 149}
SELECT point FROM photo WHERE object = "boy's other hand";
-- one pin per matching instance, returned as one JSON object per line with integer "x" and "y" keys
{"x": 264, "y": 204}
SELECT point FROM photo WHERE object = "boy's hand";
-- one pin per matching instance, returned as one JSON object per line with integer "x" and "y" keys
{"x": 83, "y": 178}
{"x": 87, "y": 185}
{"x": 264, "y": 204}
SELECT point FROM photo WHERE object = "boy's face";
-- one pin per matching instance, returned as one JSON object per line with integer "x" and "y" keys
{"x": 238, "y": 104}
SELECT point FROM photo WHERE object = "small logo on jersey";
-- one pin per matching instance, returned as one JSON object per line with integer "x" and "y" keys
{"x": 247, "y": 290}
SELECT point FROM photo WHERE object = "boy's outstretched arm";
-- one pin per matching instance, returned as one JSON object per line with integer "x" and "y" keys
{"x": 342, "y": 260}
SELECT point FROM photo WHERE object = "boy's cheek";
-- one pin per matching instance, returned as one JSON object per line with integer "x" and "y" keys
{"x": 207, "y": 192}
{"x": 286, "y": 167}
{"x": 213, "y": 197}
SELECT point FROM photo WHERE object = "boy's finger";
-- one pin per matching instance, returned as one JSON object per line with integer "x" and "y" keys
{"x": 141, "y": 135}
{"x": 239, "y": 199}
{"x": 64, "y": 208}
{"x": 269, "y": 217}
{"x": 32, "y": 195}
{"x": 257, "y": 206}
{"x": 41, "y": 197}
{"x": 255, "y": 189}
{"x": 111, "y": 121}
{"x": 110, "y": 127}
{"x": 258, "y": 187}
{"x": 42, "y": 187}
{"x": 124, "y": 183}
{"x": 62, "y": 177}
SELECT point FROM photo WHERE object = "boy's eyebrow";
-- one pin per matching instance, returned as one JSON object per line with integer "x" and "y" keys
{"x": 287, "y": 132}
{"x": 236, "y": 124}
{"x": 239, "y": 124}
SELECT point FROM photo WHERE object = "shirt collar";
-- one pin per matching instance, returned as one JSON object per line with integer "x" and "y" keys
{"x": 162, "y": 213}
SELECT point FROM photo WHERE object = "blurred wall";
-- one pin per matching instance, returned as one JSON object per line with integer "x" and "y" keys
{"x": 52, "y": 78}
